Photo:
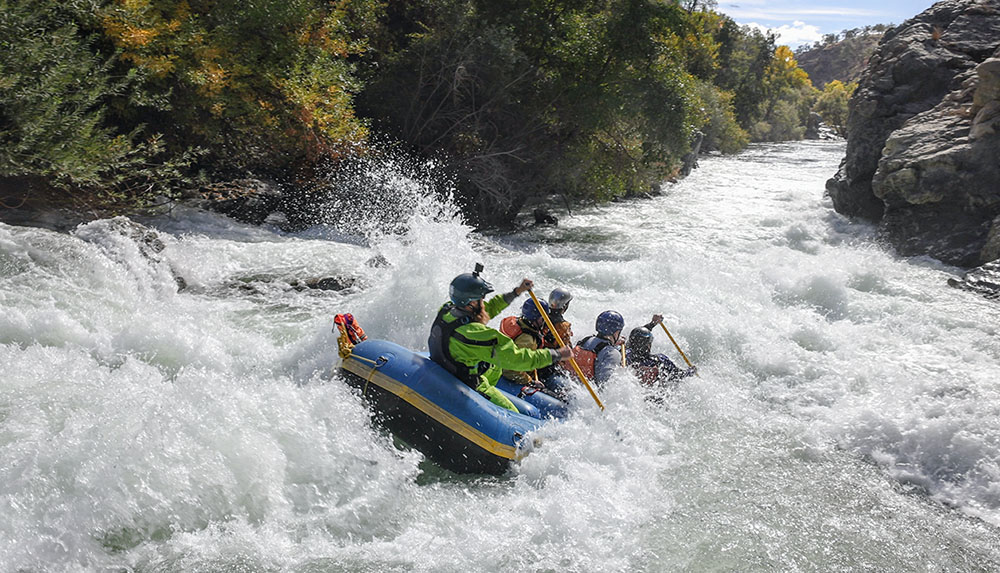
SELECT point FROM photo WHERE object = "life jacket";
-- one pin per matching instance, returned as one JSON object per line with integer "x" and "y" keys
{"x": 442, "y": 332}
{"x": 650, "y": 368}
{"x": 585, "y": 358}
{"x": 351, "y": 333}
{"x": 565, "y": 330}
{"x": 648, "y": 374}
{"x": 513, "y": 327}
{"x": 563, "y": 327}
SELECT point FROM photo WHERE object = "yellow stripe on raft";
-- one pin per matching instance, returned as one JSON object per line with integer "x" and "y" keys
{"x": 442, "y": 416}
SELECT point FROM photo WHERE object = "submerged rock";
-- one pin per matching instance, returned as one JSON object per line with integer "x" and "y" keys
{"x": 984, "y": 280}
{"x": 378, "y": 262}
{"x": 923, "y": 151}
{"x": 146, "y": 240}
{"x": 325, "y": 283}
{"x": 259, "y": 283}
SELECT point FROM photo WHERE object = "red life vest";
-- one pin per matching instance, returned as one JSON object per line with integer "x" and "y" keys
{"x": 585, "y": 358}
{"x": 648, "y": 375}
{"x": 512, "y": 327}
{"x": 350, "y": 328}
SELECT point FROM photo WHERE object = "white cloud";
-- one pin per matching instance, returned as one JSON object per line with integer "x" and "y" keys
{"x": 768, "y": 11}
{"x": 793, "y": 35}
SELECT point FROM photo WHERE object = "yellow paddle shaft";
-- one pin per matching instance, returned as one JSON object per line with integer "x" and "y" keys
{"x": 677, "y": 346}
{"x": 576, "y": 367}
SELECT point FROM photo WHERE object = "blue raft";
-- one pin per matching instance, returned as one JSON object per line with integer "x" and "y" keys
{"x": 450, "y": 423}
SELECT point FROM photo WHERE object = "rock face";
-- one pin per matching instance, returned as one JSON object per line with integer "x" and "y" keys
{"x": 246, "y": 200}
{"x": 844, "y": 60}
{"x": 923, "y": 147}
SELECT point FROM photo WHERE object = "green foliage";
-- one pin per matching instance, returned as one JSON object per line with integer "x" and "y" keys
{"x": 123, "y": 99}
{"x": 722, "y": 131}
{"x": 587, "y": 99}
{"x": 52, "y": 90}
{"x": 54, "y": 95}
{"x": 831, "y": 105}
{"x": 788, "y": 97}
{"x": 591, "y": 99}
{"x": 783, "y": 124}
{"x": 262, "y": 85}
{"x": 745, "y": 56}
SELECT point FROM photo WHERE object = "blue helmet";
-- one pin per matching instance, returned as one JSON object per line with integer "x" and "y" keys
{"x": 468, "y": 287}
{"x": 530, "y": 312}
{"x": 609, "y": 322}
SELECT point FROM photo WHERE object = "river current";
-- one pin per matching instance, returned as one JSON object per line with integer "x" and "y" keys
{"x": 847, "y": 416}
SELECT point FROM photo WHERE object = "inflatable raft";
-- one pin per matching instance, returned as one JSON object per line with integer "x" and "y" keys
{"x": 450, "y": 423}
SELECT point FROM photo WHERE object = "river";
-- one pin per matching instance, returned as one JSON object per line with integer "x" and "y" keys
{"x": 847, "y": 417}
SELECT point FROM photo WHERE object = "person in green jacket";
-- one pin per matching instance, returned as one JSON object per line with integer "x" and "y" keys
{"x": 476, "y": 354}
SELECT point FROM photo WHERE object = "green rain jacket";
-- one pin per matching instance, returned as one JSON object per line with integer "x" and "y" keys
{"x": 492, "y": 346}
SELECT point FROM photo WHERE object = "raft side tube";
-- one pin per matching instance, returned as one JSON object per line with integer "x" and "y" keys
{"x": 546, "y": 405}
{"x": 540, "y": 404}
{"x": 433, "y": 411}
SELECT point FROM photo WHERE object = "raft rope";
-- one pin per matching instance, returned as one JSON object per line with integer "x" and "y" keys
{"x": 371, "y": 374}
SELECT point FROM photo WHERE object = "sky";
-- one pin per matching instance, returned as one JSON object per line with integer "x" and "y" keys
{"x": 804, "y": 22}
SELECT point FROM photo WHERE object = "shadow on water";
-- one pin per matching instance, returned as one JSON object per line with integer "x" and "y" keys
{"x": 433, "y": 474}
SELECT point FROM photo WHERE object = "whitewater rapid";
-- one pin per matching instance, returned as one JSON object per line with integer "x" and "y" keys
{"x": 847, "y": 416}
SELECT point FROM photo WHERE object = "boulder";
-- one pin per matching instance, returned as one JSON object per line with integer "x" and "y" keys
{"x": 690, "y": 160}
{"x": 260, "y": 284}
{"x": 324, "y": 283}
{"x": 923, "y": 146}
{"x": 544, "y": 217}
{"x": 984, "y": 280}
{"x": 248, "y": 200}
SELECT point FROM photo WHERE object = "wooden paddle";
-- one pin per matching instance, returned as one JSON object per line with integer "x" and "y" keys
{"x": 576, "y": 367}
{"x": 677, "y": 346}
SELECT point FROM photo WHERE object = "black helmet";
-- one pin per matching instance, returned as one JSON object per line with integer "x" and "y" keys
{"x": 468, "y": 287}
{"x": 559, "y": 299}
{"x": 639, "y": 340}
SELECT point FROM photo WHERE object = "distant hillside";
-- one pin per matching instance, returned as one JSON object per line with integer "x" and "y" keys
{"x": 840, "y": 56}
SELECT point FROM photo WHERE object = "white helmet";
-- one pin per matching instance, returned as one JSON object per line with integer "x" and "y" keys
{"x": 559, "y": 299}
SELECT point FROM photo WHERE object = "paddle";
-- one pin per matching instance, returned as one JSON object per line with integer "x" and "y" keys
{"x": 576, "y": 367}
{"x": 677, "y": 346}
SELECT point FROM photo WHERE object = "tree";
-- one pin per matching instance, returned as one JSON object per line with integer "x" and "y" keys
{"x": 831, "y": 104}
{"x": 119, "y": 98}
{"x": 526, "y": 97}
{"x": 271, "y": 78}
{"x": 744, "y": 57}
{"x": 56, "y": 92}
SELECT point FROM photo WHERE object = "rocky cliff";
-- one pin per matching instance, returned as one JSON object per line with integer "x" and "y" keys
{"x": 923, "y": 146}
{"x": 844, "y": 60}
